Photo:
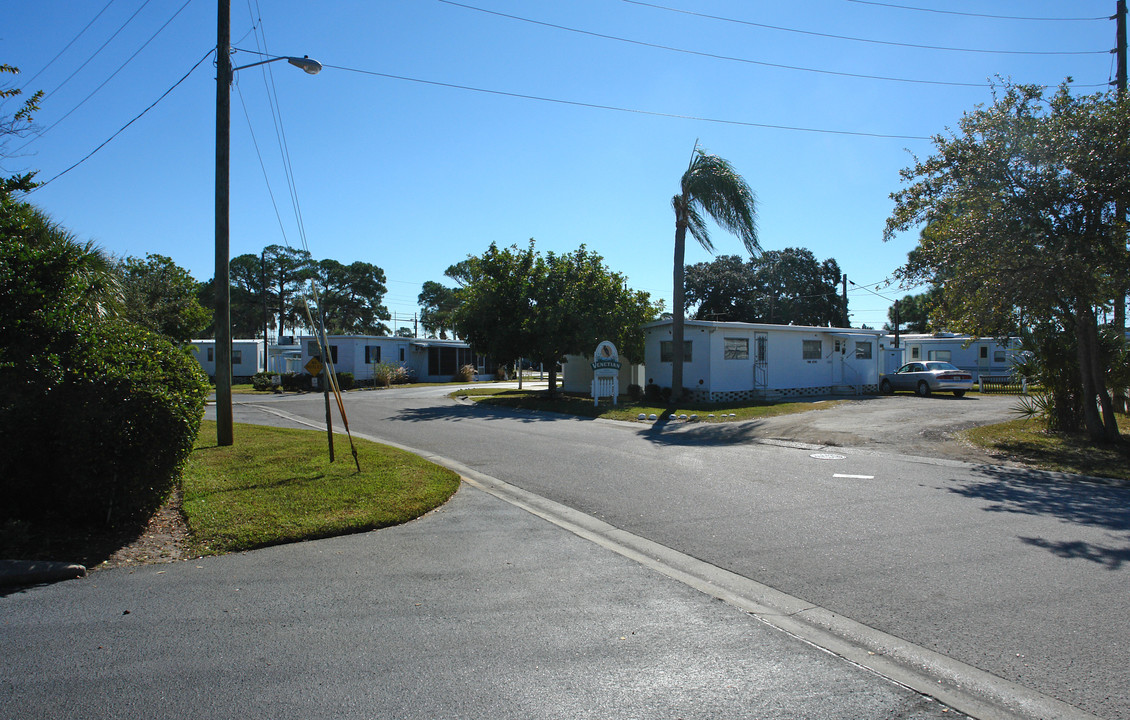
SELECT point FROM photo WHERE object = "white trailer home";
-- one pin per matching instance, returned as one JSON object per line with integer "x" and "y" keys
{"x": 728, "y": 361}
{"x": 982, "y": 356}
{"x": 247, "y": 357}
{"x": 430, "y": 360}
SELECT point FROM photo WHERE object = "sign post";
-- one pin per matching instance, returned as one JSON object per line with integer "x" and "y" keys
{"x": 605, "y": 373}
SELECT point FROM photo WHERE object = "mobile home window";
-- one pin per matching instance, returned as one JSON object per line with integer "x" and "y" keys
{"x": 312, "y": 351}
{"x": 372, "y": 354}
{"x": 737, "y": 349}
{"x": 998, "y": 356}
{"x": 914, "y": 352}
{"x": 236, "y": 357}
{"x": 943, "y": 355}
{"x": 862, "y": 351}
{"x": 813, "y": 350}
{"x": 665, "y": 351}
{"x": 211, "y": 354}
{"x": 984, "y": 352}
{"x": 401, "y": 354}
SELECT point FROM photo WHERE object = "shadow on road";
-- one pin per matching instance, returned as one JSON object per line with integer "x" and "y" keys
{"x": 1075, "y": 503}
{"x": 456, "y": 412}
{"x": 667, "y": 432}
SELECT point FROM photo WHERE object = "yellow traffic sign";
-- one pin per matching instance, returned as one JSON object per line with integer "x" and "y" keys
{"x": 314, "y": 367}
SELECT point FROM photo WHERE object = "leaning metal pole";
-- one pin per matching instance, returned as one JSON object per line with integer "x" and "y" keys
{"x": 222, "y": 281}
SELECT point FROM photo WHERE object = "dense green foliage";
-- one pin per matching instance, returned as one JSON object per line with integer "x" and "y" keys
{"x": 159, "y": 295}
{"x": 779, "y": 286}
{"x": 97, "y": 414}
{"x": 519, "y": 303}
{"x": 1021, "y": 229}
{"x": 269, "y": 290}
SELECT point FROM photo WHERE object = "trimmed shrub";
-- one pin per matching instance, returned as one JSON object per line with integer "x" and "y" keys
{"x": 653, "y": 393}
{"x": 295, "y": 381}
{"x": 345, "y": 381}
{"x": 104, "y": 440}
{"x": 635, "y": 392}
{"x": 261, "y": 381}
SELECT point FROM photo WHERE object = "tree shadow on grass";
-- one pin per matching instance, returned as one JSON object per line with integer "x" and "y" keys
{"x": 1073, "y": 502}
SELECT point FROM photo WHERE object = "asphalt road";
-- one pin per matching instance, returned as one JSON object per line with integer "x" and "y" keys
{"x": 1021, "y": 574}
{"x": 477, "y": 610}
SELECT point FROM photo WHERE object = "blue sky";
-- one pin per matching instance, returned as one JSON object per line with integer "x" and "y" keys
{"x": 412, "y": 149}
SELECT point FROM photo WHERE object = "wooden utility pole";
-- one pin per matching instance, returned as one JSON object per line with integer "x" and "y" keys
{"x": 1120, "y": 87}
{"x": 222, "y": 279}
{"x": 847, "y": 318}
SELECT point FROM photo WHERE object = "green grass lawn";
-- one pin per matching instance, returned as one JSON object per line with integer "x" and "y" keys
{"x": 277, "y": 485}
{"x": 582, "y": 406}
{"x": 1027, "y": 442}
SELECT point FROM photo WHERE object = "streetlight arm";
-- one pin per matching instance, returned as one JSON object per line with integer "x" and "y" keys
{"x": 308, "y": 65}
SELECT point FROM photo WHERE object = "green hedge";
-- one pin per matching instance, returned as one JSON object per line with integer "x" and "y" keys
{"x": 104, "y": 437}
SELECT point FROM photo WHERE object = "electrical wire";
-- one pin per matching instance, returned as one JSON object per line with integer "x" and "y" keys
{"x": 68, "y": 46}
{"x": 867, "y": 40}
{"x": 719, "y": 57}
{"x": 978, "y": 15}
{"x": 263, "y": 166}
{"x": 107, "y": 80}
{"x": 595, "y": 106}
{"x": 131, "y": 122}
{"x": 99, "y": 50}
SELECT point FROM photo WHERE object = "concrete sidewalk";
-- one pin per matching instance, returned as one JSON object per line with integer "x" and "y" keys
{"x": 477, "y": 610}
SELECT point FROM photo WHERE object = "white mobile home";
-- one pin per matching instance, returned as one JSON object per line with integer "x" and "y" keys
{"x": 983, "y": 356}
{"x": 727, "y": 361}
{"x": 429, "y": 360}
{"x": 247, "y": 357}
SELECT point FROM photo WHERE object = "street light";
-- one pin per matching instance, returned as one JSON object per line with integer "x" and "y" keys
{"x": 224, "y": 72}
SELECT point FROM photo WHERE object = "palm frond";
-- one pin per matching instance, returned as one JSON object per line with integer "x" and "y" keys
{"x": 696, "y": 226}
{"x": 712, "y": 184}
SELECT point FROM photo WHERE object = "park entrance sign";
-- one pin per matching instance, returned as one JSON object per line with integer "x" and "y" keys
{"x": 605, "y": 372}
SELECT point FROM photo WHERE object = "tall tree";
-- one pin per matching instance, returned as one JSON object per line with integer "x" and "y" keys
{"x": 286, "y": 270}
{"x": 496, "y": 304}
{"x": 351, "y": 296}
{"x": 160, "y": 296}
{"x": 1018, "y": 206}
{"x": 711, "y": 187}
{"x": 519, "y": 303}
{"x": 779, "y": 287}
{"x": 438, "y": 302}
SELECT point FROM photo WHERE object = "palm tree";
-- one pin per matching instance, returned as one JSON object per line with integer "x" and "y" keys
{"x": 710, "y": 186}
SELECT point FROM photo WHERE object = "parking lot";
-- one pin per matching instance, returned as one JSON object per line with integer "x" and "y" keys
{"x": 902, "y": 423}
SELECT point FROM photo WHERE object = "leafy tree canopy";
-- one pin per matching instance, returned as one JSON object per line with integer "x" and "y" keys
{"x": 779, "y": 287}
{"x": 518, "y": 303}
{"x": 160, "y": 296}
{"x": 1018, "y": 210}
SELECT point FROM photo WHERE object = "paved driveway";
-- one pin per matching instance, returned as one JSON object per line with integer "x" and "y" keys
{"x": 904, "y": 423}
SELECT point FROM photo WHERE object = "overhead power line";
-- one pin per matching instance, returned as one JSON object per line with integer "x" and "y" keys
{"x": 107, "y": 80}
{"x": 131, "y": 122}
{"x": 867, "y": 40}
{"x": 652, "y": 113}
{"x": 68, "y": 46}
{"x": 718, "y": 57}
{"x": 979, "y": 15}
